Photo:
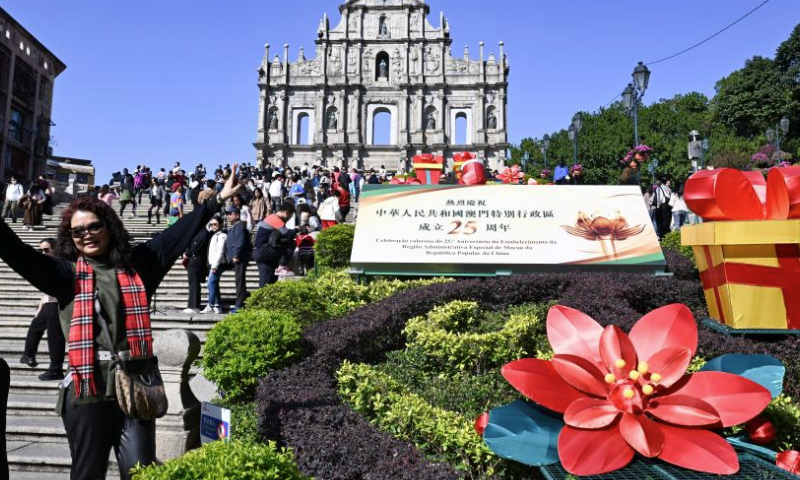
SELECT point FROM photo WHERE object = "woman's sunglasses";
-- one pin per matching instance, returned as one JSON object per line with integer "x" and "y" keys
{"x": 215, "y": 224}
{"x": 93, "y": 228}
{"x": 44, "y": 250}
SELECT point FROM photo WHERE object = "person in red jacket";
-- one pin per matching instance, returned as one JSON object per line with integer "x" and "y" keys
{"x": 344, "y": 201}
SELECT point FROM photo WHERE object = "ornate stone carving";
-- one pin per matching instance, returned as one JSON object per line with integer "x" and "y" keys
{"x": 431, "y": 61}
{"x": 335, "y": 61}
{"x": 415, "y": 54}
{"x": 333, "y": 120}
{"x": 273, "y": 119}
{"x": 430, "y": 120}
{"x": 352, "y": 61}
{"x": 397, "y": 64}
{"x": 491, "y": 120}
{"x": 415, "y": 23}
{"x": 354, "y": 22}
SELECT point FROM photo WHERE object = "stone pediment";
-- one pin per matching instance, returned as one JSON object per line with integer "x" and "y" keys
{"x": 381, "y": 4}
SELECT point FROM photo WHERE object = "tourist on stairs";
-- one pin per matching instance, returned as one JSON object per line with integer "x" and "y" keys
{"x": 96, "y": 275}
{"x": 46, "y": 319}
{"x": 216, "y": 263}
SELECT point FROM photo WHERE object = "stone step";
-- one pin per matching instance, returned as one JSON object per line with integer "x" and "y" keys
{"x": 35, "y": 428}
{"x": 23, "y": 405}
{"x": 45, "y": 460}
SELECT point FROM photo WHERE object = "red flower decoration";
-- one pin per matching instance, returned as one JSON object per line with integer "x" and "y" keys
{"x": 789, "y": 461}
{"x": 510, "y": 175}
{"x": 622, "y": 394}
{"x": 404, "y": 181}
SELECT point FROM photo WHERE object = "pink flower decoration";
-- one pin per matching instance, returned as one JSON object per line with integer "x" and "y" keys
{"x": 510, "y": 175}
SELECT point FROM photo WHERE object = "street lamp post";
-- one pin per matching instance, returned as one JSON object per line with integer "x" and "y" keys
{"x": 633, "y": 93}
{"x": 703, "y": 151}
{"x": 775, "y": 135}
{"x": 574, "y": 129}
{"x": 545, "y": 147}
{"x": 525, "y": 158}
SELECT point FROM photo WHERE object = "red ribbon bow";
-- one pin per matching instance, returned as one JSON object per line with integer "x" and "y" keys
{"x": 729, "y": 194}
{"x": 481, "y": 423}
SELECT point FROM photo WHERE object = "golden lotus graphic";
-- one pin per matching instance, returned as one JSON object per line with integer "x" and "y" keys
{"x": 603, "y": 228}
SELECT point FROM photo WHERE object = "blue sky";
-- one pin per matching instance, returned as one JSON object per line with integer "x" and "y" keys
{"x": 155, "y": 81}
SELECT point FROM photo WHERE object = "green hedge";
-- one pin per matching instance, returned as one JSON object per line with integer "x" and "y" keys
{"x": 334, "y": 246}
{"x": 459, "y": 338}
{"x": 244, "y": 420}
{"x": 672, "y": 241}
{"x": 331, "y": 294}
{"x": 226, "y": 460}
{"x": 247, "y": 345}
{"x": 439, "y": 433}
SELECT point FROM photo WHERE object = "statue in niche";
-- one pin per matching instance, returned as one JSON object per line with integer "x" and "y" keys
{"x": 430, "y": 121}
{"x": 333, "y": 121}
{"x": 414, "y": 59}
{"x": 383, "y": 69}
{"x": 415, "y": 22}
{"x": 491, "y": 120}
{"x": 273, "y": 119}
{"x": 383, "y": 29}
{"x": 431, "y": 61}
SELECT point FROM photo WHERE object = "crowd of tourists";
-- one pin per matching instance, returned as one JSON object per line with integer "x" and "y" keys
{"x": 27, "y": 203}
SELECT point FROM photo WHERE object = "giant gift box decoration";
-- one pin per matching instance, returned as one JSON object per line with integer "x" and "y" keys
{"x": 748, "y": 248}
{"x": 429, "y": 168}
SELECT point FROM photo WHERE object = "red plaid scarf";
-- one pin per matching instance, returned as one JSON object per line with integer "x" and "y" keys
{"x": 81, "y": 329}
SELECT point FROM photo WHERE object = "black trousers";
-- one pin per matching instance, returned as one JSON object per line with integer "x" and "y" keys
{"x": 197, "y": 270}
{"x": 94, "y": 429}
{"x": 47, "y": 320}
{"x": 240, "y": 272}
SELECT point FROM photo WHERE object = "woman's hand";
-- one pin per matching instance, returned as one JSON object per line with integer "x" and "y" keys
{"x": 232, "y": 186}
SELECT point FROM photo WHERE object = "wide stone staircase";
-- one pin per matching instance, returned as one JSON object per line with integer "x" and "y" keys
{"x": 36, "y": 442}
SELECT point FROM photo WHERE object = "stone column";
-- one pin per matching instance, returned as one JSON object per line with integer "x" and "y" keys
{"x": 179, "y": 430}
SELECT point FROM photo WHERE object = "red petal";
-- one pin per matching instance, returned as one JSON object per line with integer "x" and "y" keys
{"x": 643, "y": 434}
{"x": 671, "y": 363}
{"x": 574, "y": 333}
{"x": 789, "y": 461}
{"x": 683, "y": 410}
{"x": 670, "y": 326}
{"x": 481, "y": 422}
{"x": 590, "y": 413}
{"x": 581, "y": 374}
{"x": 615, "y": 345}
{"x": 593, "y": 452}
{"x": 736, "y": 399}
{"x": 760, "y": 430}
{"x": 539, "y": 381}
{"x": 698, "y": 449}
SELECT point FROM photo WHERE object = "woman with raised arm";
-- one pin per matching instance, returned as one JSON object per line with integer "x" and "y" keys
{"x": 97, "y": 276}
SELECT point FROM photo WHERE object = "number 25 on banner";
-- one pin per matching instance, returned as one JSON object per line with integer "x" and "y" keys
{"x": 470, "y": 228}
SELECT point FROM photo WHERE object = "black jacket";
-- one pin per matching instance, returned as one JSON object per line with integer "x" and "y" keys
{"x": 198, "y": 248}
{"x": 239, "y": 244}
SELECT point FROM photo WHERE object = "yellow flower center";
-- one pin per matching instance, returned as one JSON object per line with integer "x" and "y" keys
{"x": 655, "y": 377}
{"x": 647, "y": 389}
{"x": 611, "y": 378}
{"x": 620, "y": 363}
{"x": 629, "y": 393}
{"x": 634, "y": 375}
{"x": 643, "y": 367}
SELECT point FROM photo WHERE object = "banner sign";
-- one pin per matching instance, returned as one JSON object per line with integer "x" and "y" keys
{"x": 215, "y": 423}
{"x": 503, "y": 229}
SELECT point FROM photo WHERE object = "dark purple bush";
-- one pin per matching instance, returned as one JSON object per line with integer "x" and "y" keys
{"x": 300, "y": 407}
{"x": 680, "y": 266}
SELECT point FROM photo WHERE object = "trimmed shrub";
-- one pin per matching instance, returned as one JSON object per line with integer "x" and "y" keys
{"x": 437, "y": 432}
{"x": 218, "y": 460}
{"x": 244, "y": 420}
{"x": 449, "y": 343}
{"x": 672, "y": 241}
{"x": 785, "y": 415}
{"x": 298, "y": 299}
{"x": 248, "y": 345}
{"x": 334, "y": 246}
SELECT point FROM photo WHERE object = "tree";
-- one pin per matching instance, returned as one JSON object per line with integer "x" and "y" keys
{"x": 752, "y": 99}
